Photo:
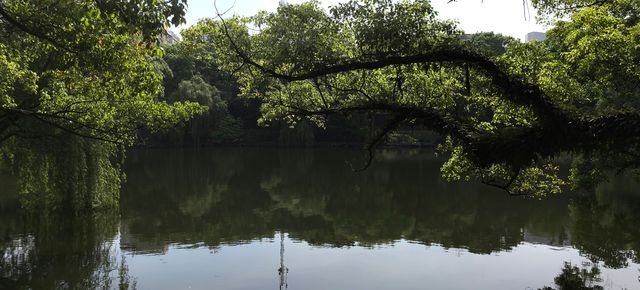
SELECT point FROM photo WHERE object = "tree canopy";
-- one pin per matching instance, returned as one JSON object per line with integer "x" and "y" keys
{"x": 77, "y": 82}
{"x": 81, "y": 79}
{"x": 509, "y": 110}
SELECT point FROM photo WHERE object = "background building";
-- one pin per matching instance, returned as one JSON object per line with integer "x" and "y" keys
{"x": 534, "y": 35}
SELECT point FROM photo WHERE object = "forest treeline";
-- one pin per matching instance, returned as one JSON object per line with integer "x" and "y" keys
{"x": 191, "y": 74}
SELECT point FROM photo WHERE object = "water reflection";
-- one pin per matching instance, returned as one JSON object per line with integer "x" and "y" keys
{"x": 55, "y": 252}
{"x": 604, "y": 226}
{"x": 573, "y": 277}
{"x": 183, "y": 201}
{"x": 230, "y": 196}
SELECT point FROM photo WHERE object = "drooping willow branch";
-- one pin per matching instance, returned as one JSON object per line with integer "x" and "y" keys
{"x": 71, "y": 126}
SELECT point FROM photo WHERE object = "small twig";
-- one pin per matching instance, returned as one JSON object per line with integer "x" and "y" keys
{"x": 505, "y": 187}
{"x": 215, "y": 5}
{"x": 376, "y": 140}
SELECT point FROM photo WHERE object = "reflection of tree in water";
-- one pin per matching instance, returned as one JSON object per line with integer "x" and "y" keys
{"x": 229, "y": 196}
{"x": 125, "y": 280}
{"x": 574, "y": 278}
{"x": 232, "y": 196}
{"x": 604, "y": 226}
{"x": 399, "y": 197}
{"x": 196, "y": 196}
{"x": 60, "y": 252}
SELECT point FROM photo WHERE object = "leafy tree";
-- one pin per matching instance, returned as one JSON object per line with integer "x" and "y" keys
{"x": 188, "y": 78}
{"x": 506, "y": 116}
{"x": 218, "y": 125}
{"x": 491, "y": 43}
{"x": 77, "y": 85}
{"x": 197, "y": 90}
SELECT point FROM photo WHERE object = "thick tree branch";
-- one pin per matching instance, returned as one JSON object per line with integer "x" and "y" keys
{"x": 520, "y": 146}
{"x": 512, "y": 88}
{"x": 431, "y": 119}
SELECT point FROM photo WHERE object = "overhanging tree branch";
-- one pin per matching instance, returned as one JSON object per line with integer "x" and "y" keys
{"x": 431, "y": 119}
{"x": 512, "y": 88}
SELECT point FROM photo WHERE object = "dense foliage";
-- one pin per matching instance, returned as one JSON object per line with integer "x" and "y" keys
{"x": 187, "y": 77}
{"x": 76, "y": 85}
{"x": 82, "y": 79}
{"x": 508, "y": 108}
{"x": 191, "y": 72}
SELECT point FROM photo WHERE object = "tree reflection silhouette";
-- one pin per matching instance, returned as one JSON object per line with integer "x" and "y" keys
{"x": 574, "y": 278}
{"x": 229, "y": 196}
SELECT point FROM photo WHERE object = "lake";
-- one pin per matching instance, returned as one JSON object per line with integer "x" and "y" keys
{"x": 249, "y": 218}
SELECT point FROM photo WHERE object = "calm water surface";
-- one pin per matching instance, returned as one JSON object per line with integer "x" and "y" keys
{"x": 302, "y": 219}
